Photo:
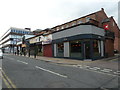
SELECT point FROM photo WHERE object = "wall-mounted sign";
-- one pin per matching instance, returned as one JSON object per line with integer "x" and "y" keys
{"x": 33, "y": 40}
{"x": 106, "y": 27}
{"x": 36, "y": 39}
{"x": 47, "y": 39}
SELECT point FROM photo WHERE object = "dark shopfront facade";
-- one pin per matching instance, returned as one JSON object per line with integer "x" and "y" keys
{"x": 81, "y": 42}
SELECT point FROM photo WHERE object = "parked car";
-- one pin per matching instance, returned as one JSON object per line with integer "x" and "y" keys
{"x": 1, "y": 54}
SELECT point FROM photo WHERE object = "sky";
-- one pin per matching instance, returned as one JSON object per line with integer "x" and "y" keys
{"x": 41, "y": 14}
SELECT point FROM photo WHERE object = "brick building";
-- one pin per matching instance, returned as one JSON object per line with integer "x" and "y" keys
{"x": 100, "y": 19}
{"x": 92, "y": 36}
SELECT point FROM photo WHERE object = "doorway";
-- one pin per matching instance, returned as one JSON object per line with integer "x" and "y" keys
{"x": 87, "y": 49}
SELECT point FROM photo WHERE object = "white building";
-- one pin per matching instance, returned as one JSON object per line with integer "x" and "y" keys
{"x": 9, "y": 40}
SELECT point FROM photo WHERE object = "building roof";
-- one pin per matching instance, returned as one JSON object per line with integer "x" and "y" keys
{"x": 102, "y": 9}
{"x": 19, "y": 29}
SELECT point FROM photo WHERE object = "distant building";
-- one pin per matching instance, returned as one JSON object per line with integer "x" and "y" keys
{"x": 9, "y": 40}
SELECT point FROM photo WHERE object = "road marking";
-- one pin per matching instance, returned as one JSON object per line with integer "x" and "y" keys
{"x": 51, "y": 72}
{"x": 94, "y": 68}
{"x": 7, "y": 81}
{"x": 102, "y": 72}
{"x": 18, "y": 60}
{"x": 79, "y": 65}
{"x": 86, "y": 66}
{"x": 22, "y": 62}
{"x": 106, "y": 70}
{"x": 117, "y": 72}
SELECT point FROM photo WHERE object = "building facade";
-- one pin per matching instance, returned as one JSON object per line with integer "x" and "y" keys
{"x": 99, "y": 19}
{"x": 93, "y": 36}
{"x": 11, "y": 37}
{"x": 38, "y": 44}
{"x": 81, "y": 42}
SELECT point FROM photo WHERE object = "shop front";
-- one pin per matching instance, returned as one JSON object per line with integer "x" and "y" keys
{"x": 36, "y": 46}
{"x": 47, "y": 45}
{"x": 84, "y": 42}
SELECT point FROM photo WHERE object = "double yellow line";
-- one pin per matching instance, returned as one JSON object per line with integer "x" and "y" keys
{"x": 7, "y": 81}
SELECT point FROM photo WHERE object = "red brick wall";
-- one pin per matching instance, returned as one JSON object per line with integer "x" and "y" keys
{"x": 109, "y": 47}
{"x": 112, "y": 27}
{"x": 100, "y": 16}
{"x": 116, "y": 30}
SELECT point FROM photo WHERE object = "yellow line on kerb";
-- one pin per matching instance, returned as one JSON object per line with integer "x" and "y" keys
{"x": 7, "y": 81}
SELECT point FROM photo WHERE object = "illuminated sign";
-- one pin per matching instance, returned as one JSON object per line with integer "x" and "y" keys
{"x": 106, "y": 27}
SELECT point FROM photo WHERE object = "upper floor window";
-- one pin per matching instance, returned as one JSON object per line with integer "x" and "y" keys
{"x": 87, "y": 19}
{"x": 73, "y": 23}
{"x": 67, "y": 25}
{"x": 57, "y": 28}
{"x": 62, "y": 27}
{"x": 113, "y": 24}
{"x": 79, "y": 22}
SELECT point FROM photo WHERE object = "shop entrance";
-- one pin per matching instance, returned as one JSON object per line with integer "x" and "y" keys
{"x": 87, "y": 52}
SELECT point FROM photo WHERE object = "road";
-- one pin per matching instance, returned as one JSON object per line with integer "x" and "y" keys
{"x": 24, "y": 72}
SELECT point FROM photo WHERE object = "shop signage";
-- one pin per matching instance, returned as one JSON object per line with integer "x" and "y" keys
{"x": 33, "y": 40}
{"x": 23, "y": 45}
{"x": 106, "y": 27}
{"x": 36, "y": 39}
{"x": 47, "y": 39}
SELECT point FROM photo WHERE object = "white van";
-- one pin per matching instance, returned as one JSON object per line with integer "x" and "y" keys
{"x": 1, "y": 54}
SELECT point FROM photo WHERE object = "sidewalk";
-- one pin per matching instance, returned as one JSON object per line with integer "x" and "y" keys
{"x": 110, "y": 63}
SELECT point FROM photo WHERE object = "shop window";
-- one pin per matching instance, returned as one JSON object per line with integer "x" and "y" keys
{"x": 79, "y": 22}
{"x": 96, "y": 48}
{"x": 75, "y": 49}
{"x": 60, "y": 50}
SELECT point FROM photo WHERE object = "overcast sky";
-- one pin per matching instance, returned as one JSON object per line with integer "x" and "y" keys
{"x": 41, "y": 14}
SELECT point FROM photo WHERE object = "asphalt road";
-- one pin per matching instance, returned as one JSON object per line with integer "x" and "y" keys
{"x": 24, "y": 72}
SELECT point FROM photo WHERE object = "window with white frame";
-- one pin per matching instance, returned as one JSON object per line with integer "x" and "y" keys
{"x": 73, "y": 23}
{"x": 57, "y": 28}
{"x": 79, "y": 22}
{"x": 87, "y": 19}
{"x": 67, "y": 25}
{"x": 62, "y": 27}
